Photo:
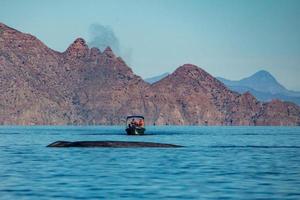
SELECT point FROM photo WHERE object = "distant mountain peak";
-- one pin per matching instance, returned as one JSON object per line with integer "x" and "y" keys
{"x": 264, "y": 86}
{"x": 187, "y": 67}
{"x": 79, "y": 43}
{"x": 182, "y": 71}
{"x": 186, "y": 70}
{"x": 191, "y": 71}
{"x": 263, "y": 81}
{"x": 263, "y": 74}
{"x": 95, "y": 50}
{"x": 14, "y": 35}
{"x": 109, "y": 52}
{"x": 94, "y": 53}
{"x": 78, "y": 48}
{"x": 154, "y": 79}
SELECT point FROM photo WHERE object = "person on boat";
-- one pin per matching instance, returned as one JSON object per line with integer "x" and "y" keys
{"x": 136, "y": 123}
{"x": 133, "y": 123}
{"x": 141, "y": 123}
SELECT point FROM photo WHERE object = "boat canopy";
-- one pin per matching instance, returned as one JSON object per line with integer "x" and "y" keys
{"x": 134, "y": 116}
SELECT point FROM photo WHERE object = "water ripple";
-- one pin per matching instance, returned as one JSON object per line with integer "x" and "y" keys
{"x": 216, "y": 163}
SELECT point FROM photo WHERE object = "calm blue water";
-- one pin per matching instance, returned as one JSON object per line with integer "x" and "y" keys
{"x": 216, "y": 162}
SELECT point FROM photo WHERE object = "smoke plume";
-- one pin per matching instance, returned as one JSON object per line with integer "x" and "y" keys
{"x": 101, "y": 36}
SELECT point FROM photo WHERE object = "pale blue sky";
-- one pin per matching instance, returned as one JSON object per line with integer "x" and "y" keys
{"x": 231, "y": 39}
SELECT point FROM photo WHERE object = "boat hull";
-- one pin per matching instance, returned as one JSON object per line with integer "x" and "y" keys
{"x": 135, "y": 131}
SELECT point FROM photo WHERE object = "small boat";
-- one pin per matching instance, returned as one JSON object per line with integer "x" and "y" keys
{"x": 135, "y": 125}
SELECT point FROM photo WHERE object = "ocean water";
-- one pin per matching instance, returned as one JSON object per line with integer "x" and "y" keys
{"x": 216, "y": 163}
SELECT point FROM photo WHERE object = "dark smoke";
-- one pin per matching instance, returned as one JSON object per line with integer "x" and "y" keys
{"x": 101, "y": 36}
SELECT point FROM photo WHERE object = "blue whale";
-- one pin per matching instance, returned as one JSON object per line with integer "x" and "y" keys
{"x": 111, "y": 144}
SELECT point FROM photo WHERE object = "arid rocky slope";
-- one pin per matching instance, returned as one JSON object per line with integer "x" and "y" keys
{"x": 85, "y": 86}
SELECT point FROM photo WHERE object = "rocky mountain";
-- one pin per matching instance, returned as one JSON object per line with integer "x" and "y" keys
{"x": 86, "y": 86}
{"x": 263, "y": 86}
{"x": 156, "y": 78}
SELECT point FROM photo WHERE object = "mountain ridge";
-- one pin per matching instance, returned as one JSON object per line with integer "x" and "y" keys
{"x": 264, "y": 86}
{"x": 83, "y": 85}
{"x": 261, "y": 94}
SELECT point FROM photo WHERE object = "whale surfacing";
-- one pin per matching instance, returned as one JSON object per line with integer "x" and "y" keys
{"x": 111, "y": 144}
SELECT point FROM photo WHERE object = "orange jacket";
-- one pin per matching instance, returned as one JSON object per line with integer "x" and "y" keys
{"x": 141, "y": 123}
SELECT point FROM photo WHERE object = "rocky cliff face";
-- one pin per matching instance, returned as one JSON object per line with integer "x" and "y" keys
{"x": 85, "y": 86}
